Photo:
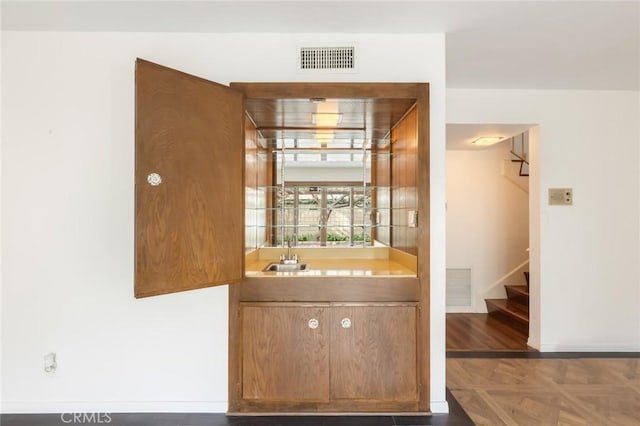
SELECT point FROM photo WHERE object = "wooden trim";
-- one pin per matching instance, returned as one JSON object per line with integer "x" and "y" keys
{"x": 327, "y": 289}
{"x": 336, "y": 406}
{"x": 424, "y": 246}
{"x": 331, "y": 413}
{"x": 329, "y": 90}
{"x": 284, "y": 304}
{"x": 235, "y": 348}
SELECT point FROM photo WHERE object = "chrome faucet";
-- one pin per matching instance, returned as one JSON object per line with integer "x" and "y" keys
{"x": 289, "y": 260}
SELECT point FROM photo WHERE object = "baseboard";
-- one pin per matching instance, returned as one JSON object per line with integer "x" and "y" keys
{"x": 533, "y": 343}
{"x": 588, "y": 348}
{"x": 439, "y": 407}
{"x": 42, "y": 407}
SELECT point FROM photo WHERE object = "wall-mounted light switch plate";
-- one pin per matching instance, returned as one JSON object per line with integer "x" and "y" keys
{"x": 560, "y": 196}
{"x": 412, "y": 218}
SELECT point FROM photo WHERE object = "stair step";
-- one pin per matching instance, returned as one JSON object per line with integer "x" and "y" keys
{"x": 518, "y": 293}
{"x": 513, "y": 310}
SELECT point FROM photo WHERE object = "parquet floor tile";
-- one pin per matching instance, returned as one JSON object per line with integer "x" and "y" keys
{"x": 477, "y": 408}
{"x": 569, "y": 391}
{"x": 618, "y": 405}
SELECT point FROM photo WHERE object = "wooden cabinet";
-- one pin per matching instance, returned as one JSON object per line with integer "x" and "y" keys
{"x": 329, "y": 352}
{"x": 286, "y": 353}
{"x": 373, "y": 352}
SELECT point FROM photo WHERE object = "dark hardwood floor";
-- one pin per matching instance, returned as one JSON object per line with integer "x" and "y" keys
{"x": 483, "y": 332}
{"x": 456, "y": 417}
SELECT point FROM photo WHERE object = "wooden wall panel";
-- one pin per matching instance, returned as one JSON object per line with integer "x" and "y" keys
{"x": 250, "y": 184}
{"x": 381, "y": 180}
{"x": 264, "y": 201}
{"x": 251, "y": 150}
{"x": 258, "y": 178}
{"x": 411, "y": 200}
{"x": 424, "y": 242}
{"x": 404, "y": 167}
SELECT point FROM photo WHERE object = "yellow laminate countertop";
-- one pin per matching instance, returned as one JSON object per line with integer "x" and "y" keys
{"x": 323, "y": 267}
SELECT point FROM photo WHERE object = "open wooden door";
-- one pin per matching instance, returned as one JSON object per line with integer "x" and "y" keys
{"x": 189, "y": 190}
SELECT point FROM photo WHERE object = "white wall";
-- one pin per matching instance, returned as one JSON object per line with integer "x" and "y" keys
{"x": 535, "y": 200}
{"x": 585, "y": 271}
{"x": 1, "y": 186}
{"x": 67, "y": 172}
{"x": 487, "y": 219}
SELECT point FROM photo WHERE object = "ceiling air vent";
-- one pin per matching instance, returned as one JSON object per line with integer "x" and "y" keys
{"x": 334, "y": 59}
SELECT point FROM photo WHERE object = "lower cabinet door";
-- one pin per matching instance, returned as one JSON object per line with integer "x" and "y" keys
{"x": 373, "y": 352}
{"x": 285, "y": 352}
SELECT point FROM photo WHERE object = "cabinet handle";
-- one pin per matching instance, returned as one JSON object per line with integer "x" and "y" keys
{"x": 346, "y": 323}
{"x": 313, "y": 323}
{"x": 154, "y": 179}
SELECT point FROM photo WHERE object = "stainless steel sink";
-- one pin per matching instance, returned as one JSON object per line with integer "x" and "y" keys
{"x": 285, "y": 267}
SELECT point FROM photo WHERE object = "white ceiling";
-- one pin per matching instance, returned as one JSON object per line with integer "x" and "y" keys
{"x": 498, "y": 45}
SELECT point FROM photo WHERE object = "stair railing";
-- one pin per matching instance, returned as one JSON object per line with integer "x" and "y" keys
{"x": 519, "y": 158}
{"x": 521, "y": 155}
{"x": 496, "y": 289}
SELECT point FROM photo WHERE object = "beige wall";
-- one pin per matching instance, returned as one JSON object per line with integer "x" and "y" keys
{"x": 487, "y": 219}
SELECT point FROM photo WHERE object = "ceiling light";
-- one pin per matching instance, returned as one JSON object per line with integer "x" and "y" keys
{"x": 487, "y": 140}
{"x": 326, "y": 119}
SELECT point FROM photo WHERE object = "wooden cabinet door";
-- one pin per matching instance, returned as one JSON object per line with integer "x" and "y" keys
{"x": 373, "y": 352}
{"x": 189, "y": 192}
{"x": 285, "y": 353}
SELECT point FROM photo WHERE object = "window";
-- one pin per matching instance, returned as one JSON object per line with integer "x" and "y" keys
{"x": 324, "y": 215}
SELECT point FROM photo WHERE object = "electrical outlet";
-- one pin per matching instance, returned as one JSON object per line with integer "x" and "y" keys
{"x": 50, "y": 363}
{"x": 560, "y": 196}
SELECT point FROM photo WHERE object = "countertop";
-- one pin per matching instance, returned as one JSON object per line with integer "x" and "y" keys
{"x": 324, "y": 267}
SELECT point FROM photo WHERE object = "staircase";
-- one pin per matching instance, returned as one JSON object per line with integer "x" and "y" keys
{"x": 514, "y": 310}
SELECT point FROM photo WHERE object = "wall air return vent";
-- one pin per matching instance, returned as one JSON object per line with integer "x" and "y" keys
{"x": 327, "y": 59}
{"x": 459, "y": 288}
